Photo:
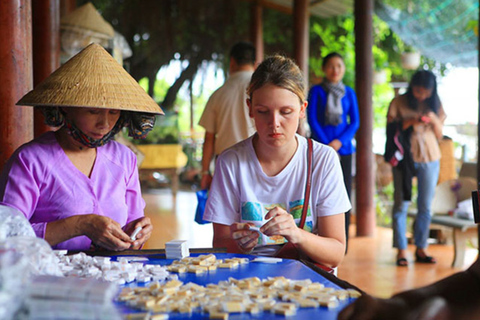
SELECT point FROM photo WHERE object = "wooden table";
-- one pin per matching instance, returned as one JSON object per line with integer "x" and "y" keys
{"x": 291, "y": 269}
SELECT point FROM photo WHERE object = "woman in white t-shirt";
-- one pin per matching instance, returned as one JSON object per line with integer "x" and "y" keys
{"x": 261, "y": 180}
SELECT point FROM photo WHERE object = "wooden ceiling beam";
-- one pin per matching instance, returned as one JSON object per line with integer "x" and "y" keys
{"x": 273, "y": 5}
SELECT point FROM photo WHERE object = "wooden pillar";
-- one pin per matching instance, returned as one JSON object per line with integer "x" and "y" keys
{"x": 301, "y": 28}
{"x": 257, "y": 31}
{"x": 478, "y": 123}
{"x": 46, "y": 48}
{"x": 67, "y": 6}
{"x": 16, "y": 123}
{"x": 301, "y": 24}
{"x": 365, "y": 207}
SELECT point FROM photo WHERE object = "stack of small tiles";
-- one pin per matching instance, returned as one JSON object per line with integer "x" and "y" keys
{"x": 51, "y": 297}
{"x": 176, "y": 249}
{"x": 124, "y": 270}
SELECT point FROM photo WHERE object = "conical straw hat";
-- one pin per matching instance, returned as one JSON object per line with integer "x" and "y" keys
{"x": 92, "y": 78}
{"x": 87, "y": 18}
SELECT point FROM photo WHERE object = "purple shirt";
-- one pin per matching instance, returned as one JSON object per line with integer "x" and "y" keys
{"x": 41, "y": 181}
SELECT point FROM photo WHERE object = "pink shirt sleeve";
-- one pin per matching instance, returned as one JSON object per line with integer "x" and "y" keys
{"x": 19, "y": 189}
{"x": 40, "y": 181}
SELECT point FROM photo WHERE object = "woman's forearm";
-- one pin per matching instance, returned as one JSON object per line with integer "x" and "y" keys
{"x": 62, "y": 230}
{"x": 327, "y": 251}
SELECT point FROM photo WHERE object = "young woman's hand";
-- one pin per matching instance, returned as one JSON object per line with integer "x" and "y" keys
{"x": 436, "y": 123}
{"x": 281, "y": 223}
{"x": 104, "y": 232}
{"x": 245, "y": 239}
{"x": 335, "y": 144}
{"x": 143, "y": 235}
{"x": 206, "y": 181}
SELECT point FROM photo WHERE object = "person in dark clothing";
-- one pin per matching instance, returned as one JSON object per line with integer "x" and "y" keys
{"x": 419, "y": 111}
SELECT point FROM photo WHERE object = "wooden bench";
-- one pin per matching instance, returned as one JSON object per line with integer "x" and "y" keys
{"x": 462, "y": 231}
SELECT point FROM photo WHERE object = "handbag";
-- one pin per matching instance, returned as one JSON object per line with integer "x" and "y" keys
{"x": 202, "y": 196}
{"x": 289, "y": 250}
{"x": 394, "y": 144}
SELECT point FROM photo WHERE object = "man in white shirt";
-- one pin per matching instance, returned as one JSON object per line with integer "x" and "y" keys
{"x": 225, "y": 118}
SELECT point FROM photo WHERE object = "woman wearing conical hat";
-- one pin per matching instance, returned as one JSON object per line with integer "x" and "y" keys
{"x": 77, "y": 186}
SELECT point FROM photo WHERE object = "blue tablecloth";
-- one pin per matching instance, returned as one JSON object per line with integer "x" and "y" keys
{"x": 290, "y": 269}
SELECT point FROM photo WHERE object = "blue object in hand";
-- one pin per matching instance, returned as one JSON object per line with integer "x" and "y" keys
{"x": 202, "y": 202}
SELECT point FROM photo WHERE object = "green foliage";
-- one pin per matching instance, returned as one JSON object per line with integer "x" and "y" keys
{"x": 277, "y": 33}
{"x": 184, "y": 111}
{"x": 382, "y": 95}
{"x": 472, "y": 25}
{"x": 166, "y": 129}
{"x": 383, "y": 206}
{"x": 335, "y": 35}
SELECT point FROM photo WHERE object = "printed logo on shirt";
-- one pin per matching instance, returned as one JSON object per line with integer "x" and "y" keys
{"x": 252, "y": 211}
{"x": 255, "y": 212}
{"x": 296, "y": 208}
{"x": 308, "y": 226}
{"x": 269, "y": 207}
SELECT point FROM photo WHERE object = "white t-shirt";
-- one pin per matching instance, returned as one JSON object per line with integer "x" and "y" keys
{"x": 226, "y": 112}
{"x": 242, "y": 192}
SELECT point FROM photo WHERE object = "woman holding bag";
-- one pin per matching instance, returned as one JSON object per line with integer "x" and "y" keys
{"x": 261, "y": 181}
{"x": 420, "y": 113}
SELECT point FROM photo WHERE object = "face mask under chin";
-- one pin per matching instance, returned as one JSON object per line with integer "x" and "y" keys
{"x": 87, "y": 141}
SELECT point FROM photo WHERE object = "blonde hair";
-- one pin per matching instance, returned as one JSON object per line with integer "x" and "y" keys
{"x": 281, "y": 72}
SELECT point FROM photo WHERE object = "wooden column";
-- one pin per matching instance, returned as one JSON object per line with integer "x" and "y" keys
{"x": 46, "y": 48}
{"x": 478, "y": 123}
{"x": 301, "y": 45}
{"x": 67, "y": 6}
{"x": 365, "y": 207}
{"x": 257, "y": 31}
{"x": 301, "y": 24}
{"x": 16, "y": 123}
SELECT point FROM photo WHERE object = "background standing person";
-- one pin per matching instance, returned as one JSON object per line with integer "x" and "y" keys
{"x": 225, "y": 118}
{"x": 261, "y": 181}
{"x": 333, "y": 117}
{"x": 77, "y": 186}
{"x": 420, "y": 115}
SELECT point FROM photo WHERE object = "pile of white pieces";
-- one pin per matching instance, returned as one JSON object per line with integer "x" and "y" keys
{"x": 204, "y": 263}
{"x": 124, "y": 270}
{"x": 278, "y": 295}
{"x": 176, "y": 249}
{"x": 52, "y": 297}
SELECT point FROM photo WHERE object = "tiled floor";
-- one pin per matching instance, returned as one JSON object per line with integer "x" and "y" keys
{"x": 368, "y": 265}
{"x": 175, "y": 219}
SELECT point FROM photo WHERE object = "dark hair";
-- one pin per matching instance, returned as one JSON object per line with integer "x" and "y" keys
{"x": 243, "y": 53}
{"x": 281, "y": 72}
{"x": 425, "y": 79}
{"x": 330, "y": 56}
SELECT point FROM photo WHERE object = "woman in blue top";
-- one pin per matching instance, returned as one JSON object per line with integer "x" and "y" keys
{"x": 333, "y": 116}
